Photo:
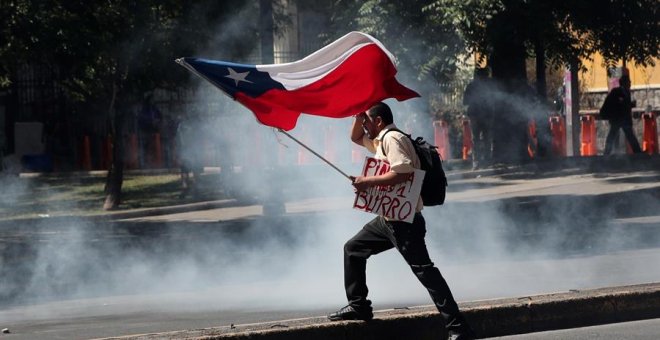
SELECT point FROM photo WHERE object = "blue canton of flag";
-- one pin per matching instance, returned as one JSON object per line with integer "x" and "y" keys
{"x": 233, "y": 77}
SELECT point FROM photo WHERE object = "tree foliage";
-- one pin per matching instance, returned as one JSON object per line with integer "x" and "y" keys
{"x": 620, "y": 30}
{"x": 107, "y": 54}
{"x": 429, "y": 50}
{"x": 101, "y": 48}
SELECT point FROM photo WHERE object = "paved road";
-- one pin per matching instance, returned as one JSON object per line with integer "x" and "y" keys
{"x": 294, "y": 295}
{"x": 499, "y": 236}
{"x": 637, "y": 330}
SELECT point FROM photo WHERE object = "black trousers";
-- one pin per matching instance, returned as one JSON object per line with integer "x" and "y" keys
{"x": 379, "y": 235}
{"x": 613, "y": 134}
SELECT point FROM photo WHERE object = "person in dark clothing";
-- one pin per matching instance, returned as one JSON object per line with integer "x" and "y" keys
{"x": 189, "y": 154}
{"x": 381, "y": 234}
{"x": 617, "y": 108}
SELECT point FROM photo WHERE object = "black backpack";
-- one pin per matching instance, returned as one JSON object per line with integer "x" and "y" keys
{"x": 605, "y": 111}
{"x": 434, "y": 186}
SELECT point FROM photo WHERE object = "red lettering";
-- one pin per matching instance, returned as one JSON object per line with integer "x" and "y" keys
{"x": 390, "y": 201}
{"x": 385, "y": 168}
{"x": 372, "y": 163}
{"x": 384, "y": 205}
{"x": 374, "y": 202}
{"x": 405, "y": 211}
{"x": 400, "y": 190}
{"x": 392, "y": 210}
{"x": 360, "y": 200}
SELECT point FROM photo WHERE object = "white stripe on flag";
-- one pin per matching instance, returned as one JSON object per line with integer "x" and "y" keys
{"x": 318, "y": 64}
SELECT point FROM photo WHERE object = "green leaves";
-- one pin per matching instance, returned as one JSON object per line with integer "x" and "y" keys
{"x": 621, "y": 30}
{"x": 99, "y": 46}
{"x": 425, "y": 47}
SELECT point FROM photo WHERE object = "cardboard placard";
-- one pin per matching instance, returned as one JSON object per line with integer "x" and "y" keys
{"x": 394, "y": 202}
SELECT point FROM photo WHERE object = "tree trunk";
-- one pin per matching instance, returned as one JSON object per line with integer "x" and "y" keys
{"x": 510, "y": 123}
{"x": 115, "y": 179}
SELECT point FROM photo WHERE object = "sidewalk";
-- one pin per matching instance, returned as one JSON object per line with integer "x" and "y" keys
{"x": 458, "y": 173}
{"x": 595, "y": 176}
{"x": 489, "y": 318}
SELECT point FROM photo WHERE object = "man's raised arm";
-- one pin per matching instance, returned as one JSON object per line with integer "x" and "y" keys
{"x": 357, "y": 131}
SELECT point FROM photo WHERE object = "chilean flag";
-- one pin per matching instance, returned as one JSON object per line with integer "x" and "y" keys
{"x": 340, "y": 80}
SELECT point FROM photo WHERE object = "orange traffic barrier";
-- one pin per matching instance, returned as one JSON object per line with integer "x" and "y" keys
{"x": 588, "y": 141}
{"x": 650, "y": 140}
{"x": 467, "y": 139}
{"x": 132, "y": 161}
{"x": 441, "y": 138}
{"x": 86, "y": 155}
{"x": 533, "y": 144}
{"x": 558, "y": 131}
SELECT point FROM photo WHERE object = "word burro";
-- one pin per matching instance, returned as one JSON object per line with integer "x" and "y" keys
{"x": 396, "y": 202}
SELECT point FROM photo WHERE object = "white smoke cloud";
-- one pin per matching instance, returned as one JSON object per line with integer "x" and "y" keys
{"x": 484, "y": 250}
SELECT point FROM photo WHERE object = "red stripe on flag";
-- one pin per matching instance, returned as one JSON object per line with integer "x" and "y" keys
{"x": 363, "y": 79}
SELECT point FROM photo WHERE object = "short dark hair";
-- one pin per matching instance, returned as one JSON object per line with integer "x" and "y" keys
{"x": 383, "y": 111}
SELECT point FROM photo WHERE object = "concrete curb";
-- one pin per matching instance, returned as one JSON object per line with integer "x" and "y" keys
{"x": 174, "y": 209}
{"x": 488, "y": 318}
{"x": 135, "y": 213}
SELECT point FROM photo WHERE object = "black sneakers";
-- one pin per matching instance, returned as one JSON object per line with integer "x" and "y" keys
{"x": 465, "y": 335}
{"x": 349, "y": 313}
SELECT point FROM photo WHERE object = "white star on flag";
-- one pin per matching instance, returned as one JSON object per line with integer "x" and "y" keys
{"x": 238, "y": 77}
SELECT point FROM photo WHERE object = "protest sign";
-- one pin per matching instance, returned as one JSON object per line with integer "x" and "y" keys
{"x": 395, "y": 202}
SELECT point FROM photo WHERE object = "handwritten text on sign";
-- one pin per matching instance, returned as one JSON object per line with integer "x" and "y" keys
{"x": 395, "y": 202}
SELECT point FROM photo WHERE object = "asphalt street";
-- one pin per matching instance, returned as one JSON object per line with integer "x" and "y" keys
{"x": 225, "y": 304}
{"x": 510, "y": 234}
{"x": 636, "y": 330}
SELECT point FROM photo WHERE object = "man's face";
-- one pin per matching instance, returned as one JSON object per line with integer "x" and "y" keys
{"x": 371, "y": 125}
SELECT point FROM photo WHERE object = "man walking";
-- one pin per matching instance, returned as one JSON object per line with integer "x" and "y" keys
{"x": 370, "y": 130}
{"x": 617, "y": 108}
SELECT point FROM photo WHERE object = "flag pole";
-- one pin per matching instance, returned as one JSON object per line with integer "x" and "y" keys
{"x": 316, "y": 154}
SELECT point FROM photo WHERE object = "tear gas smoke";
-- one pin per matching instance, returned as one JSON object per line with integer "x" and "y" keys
{"x": 295, "y": 261}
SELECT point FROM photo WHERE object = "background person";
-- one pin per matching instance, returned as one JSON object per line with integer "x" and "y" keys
{"x": 189, "y": 155}
{"x": 617, "y": 108}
